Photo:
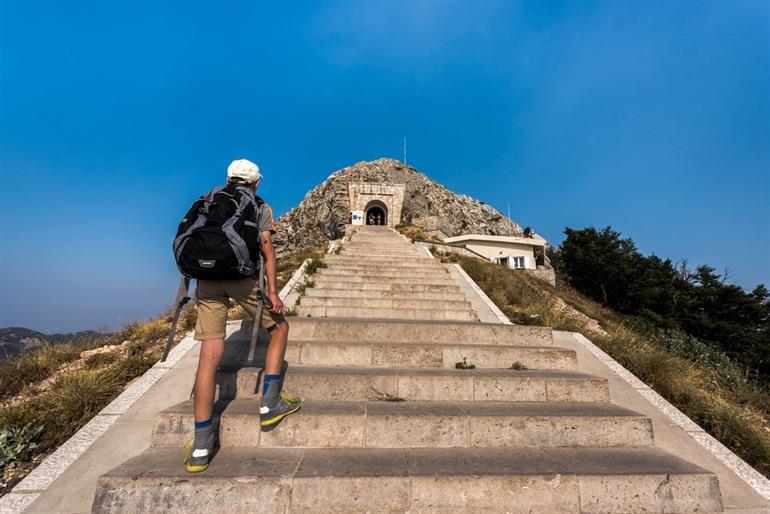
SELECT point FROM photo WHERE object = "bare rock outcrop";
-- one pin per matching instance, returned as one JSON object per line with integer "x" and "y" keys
{"x": 325, "y": 210}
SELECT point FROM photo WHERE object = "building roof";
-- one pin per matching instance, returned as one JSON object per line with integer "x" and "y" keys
{"x": 535, "y": 240}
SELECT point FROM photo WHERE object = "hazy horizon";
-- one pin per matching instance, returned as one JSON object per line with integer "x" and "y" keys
{"x": 651, "y": 117}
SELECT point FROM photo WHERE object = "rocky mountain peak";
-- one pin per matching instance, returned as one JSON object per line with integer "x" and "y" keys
{"x": 325, "y": 210}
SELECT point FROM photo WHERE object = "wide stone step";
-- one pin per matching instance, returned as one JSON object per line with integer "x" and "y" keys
{"x": 381, "y": 261}
{"x": 363, "y": 267}
{"x": 388, "y": 331}
{"x": 375, "y": 254}
{"x": 380, "y": 241}
{"x": 446, "y": 280}
{"x": 422, "y": 384}
{"x": 390, "y": 313}
{"x": 472, "y": 480}
{"x": 375, "y": 294}
{"x": 395, "y": 287}
{"x": 385, "y": 303}
{"x": 396, "y": 244}
{"x": 339, "y": 424}
{"x": 430, "y": 267}
{"x": 333, "y": 271}
{"x": 316, "y": 353}
{"x": 379, "y": 238}
{"x": 380, "y": 249}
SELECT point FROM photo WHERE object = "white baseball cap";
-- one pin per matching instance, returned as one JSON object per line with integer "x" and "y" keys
{"x": 244, "y": 170}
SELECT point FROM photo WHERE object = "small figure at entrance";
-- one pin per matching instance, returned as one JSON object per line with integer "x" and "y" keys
{"x": 376, "y": 215}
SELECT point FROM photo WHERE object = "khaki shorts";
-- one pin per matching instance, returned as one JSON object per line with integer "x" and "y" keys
{"x": 213, "y": 301}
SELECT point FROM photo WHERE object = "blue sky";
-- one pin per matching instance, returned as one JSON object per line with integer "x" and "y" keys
{"x": 652, "y": 117}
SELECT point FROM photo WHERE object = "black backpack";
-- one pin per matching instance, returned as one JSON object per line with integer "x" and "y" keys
{"x": 219, "y": 239}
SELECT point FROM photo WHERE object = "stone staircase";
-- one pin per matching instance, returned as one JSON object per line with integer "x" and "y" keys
{"x": 390, "y": 425}
{"x": 392, "y": 279}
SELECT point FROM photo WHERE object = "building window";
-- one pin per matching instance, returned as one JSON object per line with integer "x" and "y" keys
{"x": 518, "y": 262}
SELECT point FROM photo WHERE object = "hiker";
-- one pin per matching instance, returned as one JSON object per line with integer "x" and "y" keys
{"x": 212, "y": 304}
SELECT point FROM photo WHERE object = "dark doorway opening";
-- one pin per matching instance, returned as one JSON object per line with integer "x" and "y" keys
{"x": 376, "y": 215}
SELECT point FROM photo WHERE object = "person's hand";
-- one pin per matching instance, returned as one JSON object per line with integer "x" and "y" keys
{"x": 277, "y": 303}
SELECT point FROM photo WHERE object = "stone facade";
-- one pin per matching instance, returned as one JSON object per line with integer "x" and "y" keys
{"x": 365, "y": 195}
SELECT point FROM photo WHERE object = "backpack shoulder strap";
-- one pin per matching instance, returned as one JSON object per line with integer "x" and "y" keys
{"x": 208, "y": 198}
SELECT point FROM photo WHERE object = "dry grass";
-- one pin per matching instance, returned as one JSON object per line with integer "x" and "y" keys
{"x": 58, "y": 391}
{"x": 699, "y": 380}
{"x": 417, "y": 234}
{"x": 287, "y": 267}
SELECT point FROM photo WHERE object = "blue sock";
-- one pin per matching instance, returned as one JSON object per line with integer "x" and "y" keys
{"x": 268, "y": 379}
{"x": 203, "y": 424}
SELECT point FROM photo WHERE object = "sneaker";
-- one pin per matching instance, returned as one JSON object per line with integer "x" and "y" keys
{"x": 286, "y": 405}
{"x": 197, "y": 460}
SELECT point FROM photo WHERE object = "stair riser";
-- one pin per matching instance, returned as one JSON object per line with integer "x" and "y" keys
{"x": 312, "y": 292}
{"x": 426, "y": 356}
{"x": 367, "y": 274}
{"x": 370, "y": 312}
{"x": 353, "y": 387}
{"x": 519, "y": 493}
{"x": 430, "y": 268}
{"x": 424, "y": 431}
{"x": 371, "y": 331}
{"x": 420, "y": 265}
{"x": 385, "y": 303}
{"x": 383, "y": 251}
{"x": 372, "y": 256}
{"x": 324, "y": 284}
{"x": 394, "y": 246}
{"x": 380, "y": 261}
{"x": 426, "y": 281}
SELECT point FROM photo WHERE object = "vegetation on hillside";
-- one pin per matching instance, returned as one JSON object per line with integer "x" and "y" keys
{"x": 701, "y": 303}
{"x": 47, "y": 395}
{"x": 417, "y": 234}
{"x": 702, "y": 381}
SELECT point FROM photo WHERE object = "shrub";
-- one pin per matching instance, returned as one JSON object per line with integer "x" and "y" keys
{"x": 17, "y": 444}
{"x": 313, "y": 265}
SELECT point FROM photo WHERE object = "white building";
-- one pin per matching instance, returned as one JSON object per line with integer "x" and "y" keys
{"x": 514, "y": 252}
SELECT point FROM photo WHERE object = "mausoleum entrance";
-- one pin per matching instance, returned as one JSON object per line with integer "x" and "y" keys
{"x": 376, "y": 213}
{"x": 376, "y": 203}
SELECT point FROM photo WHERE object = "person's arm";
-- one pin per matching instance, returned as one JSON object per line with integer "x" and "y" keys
{"x": 271, "y": 269}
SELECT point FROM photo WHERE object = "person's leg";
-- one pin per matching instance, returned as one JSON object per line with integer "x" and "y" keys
{"x": 205, "y": 377}
{"x": 276, "y": 348}
{"x": 210, "y": 330}
{"x": 275, "y": 365}
{"x": 274, "y": 406}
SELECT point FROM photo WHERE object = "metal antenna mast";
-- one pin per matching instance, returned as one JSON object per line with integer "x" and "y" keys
{"x": 404, "y": 149}
{"x": 509, "y": 219}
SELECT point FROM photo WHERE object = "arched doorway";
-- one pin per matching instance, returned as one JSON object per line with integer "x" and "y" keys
{"x": 376, "y": 213}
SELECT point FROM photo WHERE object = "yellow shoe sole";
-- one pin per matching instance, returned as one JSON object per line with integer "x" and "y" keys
{"x": 188, "y": 446}
{"x": 196, "y": 469}
{"x": 273, "y": 421}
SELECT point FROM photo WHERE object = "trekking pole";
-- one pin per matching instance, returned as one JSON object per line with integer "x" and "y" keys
{"x": 182, "y": 297}
{"x": 260, "y": 307}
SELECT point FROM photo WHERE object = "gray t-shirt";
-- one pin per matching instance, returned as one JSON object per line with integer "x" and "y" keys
{"x": 265, "y": 219}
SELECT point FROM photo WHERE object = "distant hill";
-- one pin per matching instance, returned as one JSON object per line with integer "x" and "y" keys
{"x": 15, "y": 340}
